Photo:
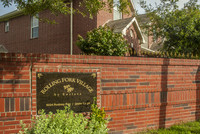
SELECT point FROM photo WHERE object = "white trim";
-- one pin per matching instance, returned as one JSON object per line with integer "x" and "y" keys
{"x": 131, "y": 33}
{"x": 125, "y": 29}
{"x": 7, "y": 26}
{"x": 147, "y": 49}
{"x": 106, "y": 22}
{"x": 71, "y": 28}
{"x": 117, "y": 15}
{"x": 134, "y": 21}
{"x": 32, "y": 20}
{"x": 114, "y": 14}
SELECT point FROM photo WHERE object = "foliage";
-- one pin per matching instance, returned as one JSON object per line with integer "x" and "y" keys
{"x": 184, "y": 128}
{"x": 68, "y": 122}
{"x": 63, "y": 6}
{"x": 179, "y": 28}
{"x": 97, "y": 122}
{"x": 102, "y": 41}
{"x": 168, "y": 55}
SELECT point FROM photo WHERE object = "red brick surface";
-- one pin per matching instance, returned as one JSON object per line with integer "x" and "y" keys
{"x": 138, "y": 93}
{"x": 2, "y": 105}
{"x": 134, "y": 39}
{"x": 53, "y": 38}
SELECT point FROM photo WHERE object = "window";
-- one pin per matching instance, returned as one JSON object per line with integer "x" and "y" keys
{"x": 24, "y": 104}
{"x": 9, "y": 104}
{"x": 116, "y": 13}
{"x": 131, "y": 45}
{"x": 132, "y": 37}
{"x": 131, "y": 33}
{"x": 6, "y": 26}
{"x": 34, "y": 27}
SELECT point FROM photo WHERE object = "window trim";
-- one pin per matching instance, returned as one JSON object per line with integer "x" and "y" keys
{"x": 37, "y": 26}
{"x": 116, "y": 9}
{"x": 7, "y": 26}
{"x": 132, "y": 34}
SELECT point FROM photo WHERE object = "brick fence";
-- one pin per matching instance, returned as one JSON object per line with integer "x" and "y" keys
{"x": 138, "y": 93}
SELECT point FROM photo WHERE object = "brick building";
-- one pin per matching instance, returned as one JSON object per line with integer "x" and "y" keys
{"x": 151, "y": 44}
{"x": 25, "y": 34}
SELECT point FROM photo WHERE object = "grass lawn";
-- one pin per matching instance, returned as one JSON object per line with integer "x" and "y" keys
{"x": 185, "y": 128}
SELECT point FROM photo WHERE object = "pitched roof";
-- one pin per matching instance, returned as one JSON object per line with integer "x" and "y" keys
{"x": 147, "y": 49}
{"x": 11, "y": 15}
{"x": 121, "y": 26}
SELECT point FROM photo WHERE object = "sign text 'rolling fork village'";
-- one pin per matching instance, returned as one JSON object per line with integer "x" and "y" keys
{"x": 57, "y": 90}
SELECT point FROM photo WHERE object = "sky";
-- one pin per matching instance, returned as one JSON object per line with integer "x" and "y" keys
{"x": 137, "y": 6}
{"x": 7, "y": 9}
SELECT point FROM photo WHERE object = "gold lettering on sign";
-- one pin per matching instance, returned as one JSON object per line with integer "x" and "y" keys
{"x": 66, "y": 104}
{"x": 94, "y": 75}
{"x": 67, "y": 94}
{"x": 82, "y": 83}
{"x": 67, "y": 87}
{"x": 40, "y": 75}
{"x": 59, "y": 104}
{"x": 49, "y": 105}
{"x": 51, "y": 84}
{"x": 77, "y": 104}
{"x": 73, "y": 94}
{"x": 69, "y": 80}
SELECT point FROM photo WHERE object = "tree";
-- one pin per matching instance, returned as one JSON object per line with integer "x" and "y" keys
{"x": 63, "y": 6}
{"x": 102, "y": 41}
{"x": 179, "y": 28}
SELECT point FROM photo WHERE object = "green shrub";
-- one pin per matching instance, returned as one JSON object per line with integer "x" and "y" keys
{"x": 68, "y": 122}
{"x": 102, "y": 41}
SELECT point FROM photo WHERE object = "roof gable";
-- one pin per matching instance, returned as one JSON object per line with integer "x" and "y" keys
{"x": 122, "y": 25}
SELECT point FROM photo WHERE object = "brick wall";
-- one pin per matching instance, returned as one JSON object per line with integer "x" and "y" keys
{"x": 138, "y": 93}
